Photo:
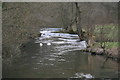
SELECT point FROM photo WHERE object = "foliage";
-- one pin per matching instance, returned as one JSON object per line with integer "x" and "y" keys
{"x": 108, "y": 45}
{"x": 110, "y": 32}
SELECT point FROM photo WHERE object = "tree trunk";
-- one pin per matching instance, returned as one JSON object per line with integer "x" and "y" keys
{"x": 75, "y": 26}
{"x": 78, "y": 22}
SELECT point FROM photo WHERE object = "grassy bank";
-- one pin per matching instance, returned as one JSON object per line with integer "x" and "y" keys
{"x": 108, "y": 33}
{"x": 108, "y": 45}
{"x": 110, "y": 51}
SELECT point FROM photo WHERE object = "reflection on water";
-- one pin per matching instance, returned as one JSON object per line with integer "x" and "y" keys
{"x": 61, "y": 59}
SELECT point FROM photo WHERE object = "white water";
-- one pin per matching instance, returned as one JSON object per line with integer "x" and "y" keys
{"x": 69, "y": 41}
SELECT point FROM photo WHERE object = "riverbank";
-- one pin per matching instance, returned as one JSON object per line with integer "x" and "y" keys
{"x": 110, "y": 52}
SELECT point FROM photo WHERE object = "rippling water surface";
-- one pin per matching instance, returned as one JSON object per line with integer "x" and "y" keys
{"x": 58, "y": 55}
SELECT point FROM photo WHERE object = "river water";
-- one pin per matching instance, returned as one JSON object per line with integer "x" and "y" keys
{"x": 58, "y": 55}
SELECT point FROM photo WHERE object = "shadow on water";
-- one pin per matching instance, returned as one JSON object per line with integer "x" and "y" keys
{"x": 61, "y": 59}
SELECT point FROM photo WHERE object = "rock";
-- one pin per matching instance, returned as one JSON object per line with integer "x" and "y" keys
{"x": 22, "y": 45}
{"x": 39, "y": 35}
{"x": 98, "y": 51}
{"x": 93, "y": 53}
{"x": 113, "y": 52}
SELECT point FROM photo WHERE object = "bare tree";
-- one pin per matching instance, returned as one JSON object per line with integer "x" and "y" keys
{"x": 78, "y": 22}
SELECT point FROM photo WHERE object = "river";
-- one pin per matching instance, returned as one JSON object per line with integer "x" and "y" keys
{"x": 58, "y": 55}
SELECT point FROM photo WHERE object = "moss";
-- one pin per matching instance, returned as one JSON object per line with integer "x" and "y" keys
{"x": 112, "y": 44}
{"x": 108, "y": 45}
{"x": 110, "y": 32}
